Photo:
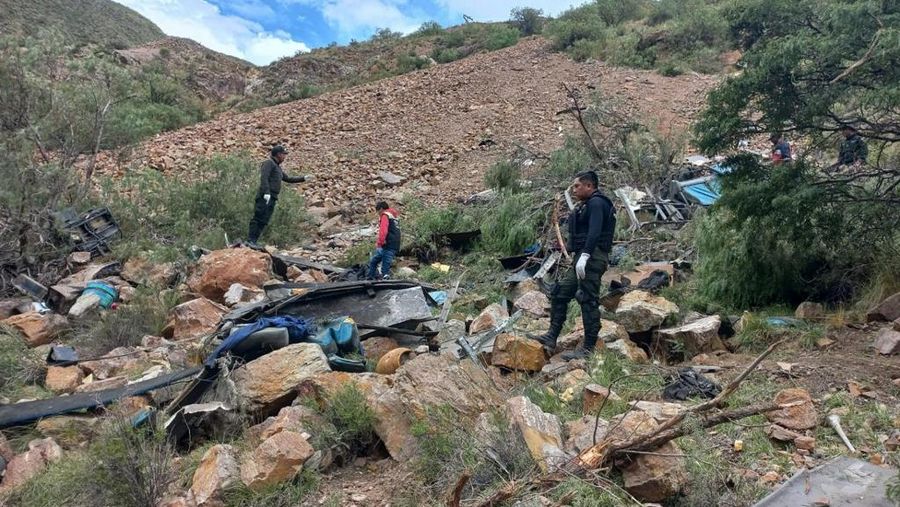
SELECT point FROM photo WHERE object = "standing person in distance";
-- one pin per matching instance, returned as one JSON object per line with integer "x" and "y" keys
{"x": 388, "y": 243}
{"x": 270, "y": 177}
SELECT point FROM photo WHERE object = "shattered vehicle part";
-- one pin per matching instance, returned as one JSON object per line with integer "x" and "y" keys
{"x": 281, "y": 262}
{"x": 198, "y": 421}
{"x": 30, "y": 287}
{"x": 26, "y": 412}
{"x": 842, "y": 481}
{"x": 92, "y": 231}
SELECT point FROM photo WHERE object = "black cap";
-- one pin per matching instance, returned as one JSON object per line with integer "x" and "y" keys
{"x": 278, "y": 149}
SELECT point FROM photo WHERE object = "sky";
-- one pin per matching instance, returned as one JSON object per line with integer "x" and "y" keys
{"x": 262, "y": 31}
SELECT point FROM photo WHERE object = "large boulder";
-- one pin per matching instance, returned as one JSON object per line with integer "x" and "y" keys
{"x": 38, "y": 329}
{"x": 63, "y": 379}
{"x": 798, "y": 413}
{"x": 490, "y": 318}
{"x": 534, "y": 303}
{"x": 581, "y": 433}
{"x": 269, "y": 383}
{"x": 216, "y": 271}
{"x": 518, "y": 353}
{"x": 640, "y": 311}
{"x": 278, "y": 459}
{"x": 887, "y": 310}
{"x": 887, "y": 341}
{"x": 540, "y": 430}
{"x": 809, "y": 310}
{"x": 140, "y": 271}
{"x": 70, "y": 431}
{"x": 193, "y": 319}
{"x": 629, "y": 349}
{"x": 298, "y": 418}
{"x": 648, "y": 477}
{"x": 118, "y": 361}
{"x": 218, "y": 470}
{"x": 696, "y": 337}
{"x": 29, "y": 464}
{"x": 656, "y": 477}
{"x": 420, "y": 385}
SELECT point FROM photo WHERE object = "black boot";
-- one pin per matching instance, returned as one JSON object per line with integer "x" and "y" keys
{"x": 558, "y": 312}
{"x": 590, "y": 317}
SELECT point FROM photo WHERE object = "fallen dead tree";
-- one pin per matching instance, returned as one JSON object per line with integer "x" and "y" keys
{"x": 603, "y": 452}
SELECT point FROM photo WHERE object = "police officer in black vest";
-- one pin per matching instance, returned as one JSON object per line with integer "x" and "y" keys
{"x": 270, "y": 177}
{"x": 591, "y": 227}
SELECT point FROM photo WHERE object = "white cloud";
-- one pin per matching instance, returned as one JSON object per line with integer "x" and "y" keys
{"x": 498, "y": 10}
{"x": 360, "y": 18}
{"x": 205, "y": 23}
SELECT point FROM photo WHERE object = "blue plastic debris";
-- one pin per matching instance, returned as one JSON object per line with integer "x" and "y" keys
{"x": 298, "y": 329}
{"x": 439, "y": 296}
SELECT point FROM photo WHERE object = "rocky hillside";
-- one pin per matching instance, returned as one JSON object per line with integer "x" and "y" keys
{"x": 102, "y": 22}
{"x": 212, "y": 75}
{"x": 436, "y": 129}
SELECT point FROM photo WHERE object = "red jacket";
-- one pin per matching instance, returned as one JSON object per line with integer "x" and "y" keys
{"x": 388, "y": 230}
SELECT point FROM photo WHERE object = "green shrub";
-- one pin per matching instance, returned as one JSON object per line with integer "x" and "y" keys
{"x": 155, "y": 210}
{"x": 528, "y": 20}
{"x": 701, "y": 26}
{"x": 446, "y": 55}
{"x": 671, "y": 69}
{"x": 127, "y": 325}
{"x": 410, "y": 62}
{"x": 566, "y": 162}
{"x": 424, "y": 223}
{"x": 20, "y": 366}
{"x": 448, "y": 449}
{"x": 354, "y": 422}
{"x": 783, "y": 236}
{"x": 123, "y": 467}
{"x": 581, "y": 23}
{"x": 499, "y": 37}
{"x": 287, "y": 494}
{"x": 305, "y": 91}
{"x": 511, "y": 223}
{"x": 503, "y": 175}
{"x": 429, "y": 28}
{"x": 615, "y": 12}
{"x": 453, "y": 38}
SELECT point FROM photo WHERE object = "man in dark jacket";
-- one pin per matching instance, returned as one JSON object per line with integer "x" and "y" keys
{"x": 270, "y": 177}
{"x": 388, "y": 243}
{"x": 591, "y": 227}
{"x": 853, "y": 148}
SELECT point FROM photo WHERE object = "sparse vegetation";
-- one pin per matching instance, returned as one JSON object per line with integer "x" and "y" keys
{"x": 123, "y": 467}
{"x": 201, "y": 212}
{"x": 351, "y": 428}
{"x": 288, "y": 494}
{"x": 671, "y": 35}
{"x": 125, "y": 327}
{"x": 19, "y": 365}
{"x": 448, "y": 448}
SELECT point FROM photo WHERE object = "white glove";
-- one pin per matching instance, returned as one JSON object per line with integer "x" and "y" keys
{"x": 267, "y": 198}
{"x": 308, "y": 177}
{"x": 581, "y": 265}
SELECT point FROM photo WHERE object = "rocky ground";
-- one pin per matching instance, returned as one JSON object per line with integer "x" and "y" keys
{"x": 827, "y": 364}
{"x": 418, "y": 132}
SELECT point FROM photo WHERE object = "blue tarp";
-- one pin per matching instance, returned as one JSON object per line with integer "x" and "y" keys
{"x": 702, "y": 192}
{"x": 298, "y": 330}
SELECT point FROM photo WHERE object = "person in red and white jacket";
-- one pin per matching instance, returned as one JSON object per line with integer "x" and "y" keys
{"x": 388, "y": 243}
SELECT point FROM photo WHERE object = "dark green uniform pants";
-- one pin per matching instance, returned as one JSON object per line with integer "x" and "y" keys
{"x": 565, "y": 291}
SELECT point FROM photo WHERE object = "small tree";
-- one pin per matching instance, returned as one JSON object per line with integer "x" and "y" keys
{"x": 528, "y": 20}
